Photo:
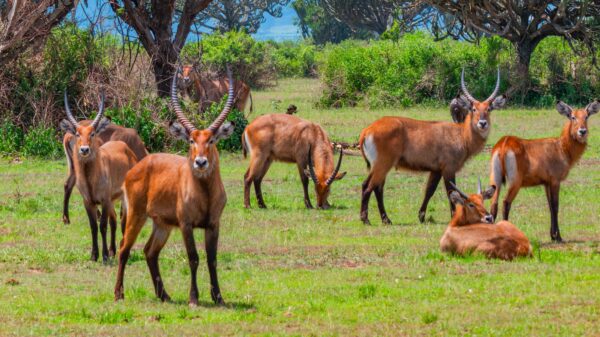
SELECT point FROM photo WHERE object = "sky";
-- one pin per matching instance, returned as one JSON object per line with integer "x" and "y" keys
{"x": 278, "y": 29}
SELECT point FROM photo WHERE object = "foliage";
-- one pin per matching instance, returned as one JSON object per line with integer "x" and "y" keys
{"x": 294, "y": 59}
{"x": 43, "y": 142}
{"x": 234, "y": 142}
{"x": 12, "y": 138}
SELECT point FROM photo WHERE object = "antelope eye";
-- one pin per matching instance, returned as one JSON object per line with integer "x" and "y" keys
{"x": 573, "y": 118}
{"x": 471, "y": 205}
{"x": 92, "y": 134}
{"x": 191, "y": 141}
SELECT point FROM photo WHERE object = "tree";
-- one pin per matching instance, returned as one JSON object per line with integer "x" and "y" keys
{"x": 153, "y": 22}
{"x": 524, "y": 23}
{"x": 25, "y": 23}
{"x": 316, "y": 23}
{"x": 226, "y": 15}
{"x": 372, "y": 15}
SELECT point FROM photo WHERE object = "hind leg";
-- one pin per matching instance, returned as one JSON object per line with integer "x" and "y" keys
{"x": 379, "y": 196}
{"x": 157, "y": 241}
{"x": 112, "y": 219}
{"x": 135, "y": 222}
{"x": 511, "y": 194}
{"x": 304, "y": 180}
{"x": 494, "y": 206}
{"x": 432, "y": 184}
{"x": 255, "y": 170}
{"x": 373, "y": 181}
{"x": 92, "y": 214}
{"x": 257, "y": 184}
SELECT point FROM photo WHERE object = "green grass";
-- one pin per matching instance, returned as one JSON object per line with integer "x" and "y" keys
{"x": 287, "y": 270}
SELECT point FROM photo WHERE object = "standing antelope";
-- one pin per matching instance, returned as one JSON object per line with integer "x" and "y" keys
{"x": 290, "y": 139}
{"x": 99, "y": 171}
{"x": 111, "y": 133}
{"x": 441, "y": 148}
{"x": 182, "y": 192}
{"x": 472, "y": 229}
{"x": 207, "y": 91}
{"x": 547, "y": 161}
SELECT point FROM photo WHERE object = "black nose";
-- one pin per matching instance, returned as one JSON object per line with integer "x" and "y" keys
{"x": 489, "y": 218}
{"x": 582, "y": 132}
{"x": 84, "y": 150}
{"x": 201, "y": 162}
{"x": 483, "y": 124}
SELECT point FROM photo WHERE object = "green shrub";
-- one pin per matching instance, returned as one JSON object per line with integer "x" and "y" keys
{"x": 293, "y": 59}
{"x": 234, "y": 142}
{"x": 12, "y": 138}
{"x": 43, "y": 142}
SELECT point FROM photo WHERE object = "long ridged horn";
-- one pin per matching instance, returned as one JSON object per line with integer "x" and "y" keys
{"x": 464, "y": 89}
{"x": 479, "y": 190}
{"x": 311, "y": 168}
{"x": 175, "y": 104}
{"x": 462, "y": 194}
{"x": 228, "y": 105}
{"x": 337, "y": 169}
{"x": 493, "y": 95}
{"x": 100, "y": 111}
{"x": 69, "y": 113}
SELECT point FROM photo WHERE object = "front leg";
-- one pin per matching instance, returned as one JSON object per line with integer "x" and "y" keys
{"x": 103, "y": 231}
{"x": 187, "y": 232}
{"x": 92, "y": 217}
{"x": 211, "y": 241}
{"x": 432, "y": 184}
{"x": 553, "y": 192}
{"x": 304, "y": 180}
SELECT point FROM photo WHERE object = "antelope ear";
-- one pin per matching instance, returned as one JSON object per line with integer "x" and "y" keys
{"x": 459, "y": 107}
{"x": 499, "y": 102}
{"x": 102, "y": 125}
{"x": 489, "y": 193}
{"x": 224, "y": 132}
{"x": 564, "y": 109}
{"x": 339, "y": 176}
{"x": 67, "y": 127}
{"x": 178, "y": 131}
{"x": 456, "y": 198}
{"x": 593, "y": 108}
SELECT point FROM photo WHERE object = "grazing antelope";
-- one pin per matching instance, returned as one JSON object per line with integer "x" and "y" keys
{"x": 181, "y": 192}
{"x": 208, "y": 91}
{"x": 472, "y": 229}
{"x": 111, "y": 133}
{"x": 99, "y": 171}
{"x": 290, "y": 139}
{"x": 547, "y": 161}
{"x": 441, "y": 148}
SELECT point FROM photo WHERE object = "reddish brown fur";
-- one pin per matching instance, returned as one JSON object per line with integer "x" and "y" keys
{"x": 471, "y": 231}
{"x": 288, "y": 139}
{"x": 98, "y": 177}
{"x": 111, "y": 133}
{"x": 207, "y": 91}
{"x": 545, "y": 161}
{"x": 441, "y": 148}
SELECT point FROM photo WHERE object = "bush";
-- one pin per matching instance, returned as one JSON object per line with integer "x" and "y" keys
{"x": 234, "y": 142}
{"x": 12, "y": 138}
{"x": 43, "y": 142}
{"x": 293, "y": 59}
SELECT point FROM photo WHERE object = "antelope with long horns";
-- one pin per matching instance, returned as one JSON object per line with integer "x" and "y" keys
{"x": 179, "y": 192}
{"x": 99, "y": 169}
{"x": 290, "y": 139}
{"x": 111, "y": 133}
{"x": 547, "y": 161}
{"x": 472, "y": 229}
{"x": 441, "y": 148}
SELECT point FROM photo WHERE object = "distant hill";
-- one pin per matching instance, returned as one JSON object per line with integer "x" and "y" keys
{"x": 280, "y": 29}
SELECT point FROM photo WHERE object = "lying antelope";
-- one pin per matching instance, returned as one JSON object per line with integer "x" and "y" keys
{"x": 525, "y": 163}
{"x": 290, "y": 139}
{"x": 181, "y": 192}
{"x": 441, "y": 148}
{"x": 207, "y": 91}
{"x": 111, "y": 133}
{"x": 472, "y": 229}
{"x": 99, "y": 170}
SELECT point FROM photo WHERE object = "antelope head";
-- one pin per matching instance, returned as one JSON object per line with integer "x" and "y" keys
{"x": 85, "y": 135}
{"x": 470, "y": 208}
{"x": 203, "y": 152}
{"x": 323, "y": 185}
{"x": 186, "y": 76}
{"x": 579, "y": 119}
{"x": 480, "y": 111}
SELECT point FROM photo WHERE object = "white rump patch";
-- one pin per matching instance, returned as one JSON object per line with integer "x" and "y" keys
{"x": 124, "y": 203}
{"x": 510, "y": 164}
{"x": 496, "y": 170}
{"x": 370, "y": 150}
{"x": 248, "y": 146}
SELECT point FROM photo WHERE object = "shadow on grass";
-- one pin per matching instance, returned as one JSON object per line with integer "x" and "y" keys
{"x": 237, "y": 306}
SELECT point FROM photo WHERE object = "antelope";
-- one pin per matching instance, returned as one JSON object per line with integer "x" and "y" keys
{"x": 111, "y": 133}
{"x": 290, "y": 139}
{"x": 175, "y": 191}
{"x": 472, "y": 229}
{"x": 547, "y": 161}
{"x": 208, "y": 91}
{"x": 441, "y": 148}
{"x": 99, "y": 171}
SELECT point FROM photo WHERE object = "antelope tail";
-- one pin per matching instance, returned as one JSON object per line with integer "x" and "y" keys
{"x": 244, "y": 146}
{"x": 361, "y": 145}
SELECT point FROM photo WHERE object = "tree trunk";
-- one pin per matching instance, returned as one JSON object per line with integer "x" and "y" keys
{"x": 163, "y": 64}
{"x": 520, "y": 81}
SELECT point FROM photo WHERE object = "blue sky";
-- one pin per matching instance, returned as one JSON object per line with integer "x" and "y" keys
{"x": 278, "y": 29}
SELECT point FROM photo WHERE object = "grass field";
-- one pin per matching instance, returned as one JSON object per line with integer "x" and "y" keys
{"x": 291, "y": 271}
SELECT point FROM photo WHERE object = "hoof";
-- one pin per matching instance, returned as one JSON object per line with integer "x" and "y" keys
{"x": 422, "y": 217}
{"x": 94, "y": 257}
{"x": 386, "y": 221}
{"x": 366, "y": 222}
{"x": 193, "y": 303}
{"x": 262, "y": 206}
{"x": 66, "y": 220}
{"x": 119, "y": 295}
{"x": 217, "y": 298}
{"x": 165, "y": 298}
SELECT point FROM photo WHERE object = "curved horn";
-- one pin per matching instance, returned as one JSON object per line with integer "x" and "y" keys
{"x": 493, "y": 95}
{"x": 311, "y": 167}
{"x": 462, "y": 194}
{"x": 175, "y": 104}
{"x": 464, "y": 89}
{"x": 228, "y": 105}
{"x": 100, "y": 111}
{"x": 69, "y": 113}
{"x": 479, "y": 190}
{"x": 337, "y": 169}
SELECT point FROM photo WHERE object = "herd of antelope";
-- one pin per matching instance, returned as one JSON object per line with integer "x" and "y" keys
{"x": 109, "y": 163}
